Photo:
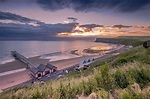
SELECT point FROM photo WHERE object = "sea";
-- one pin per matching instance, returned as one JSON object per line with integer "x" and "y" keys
{"x": 37, "y": 48}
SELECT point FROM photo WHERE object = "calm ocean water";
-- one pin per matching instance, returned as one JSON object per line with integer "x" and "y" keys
{"x": 35, "y": 48}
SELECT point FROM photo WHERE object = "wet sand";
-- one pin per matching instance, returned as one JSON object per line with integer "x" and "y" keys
{"x": 14, "y": 79}
{"x": 62, "y": 64}
{"x": 11, "y": 66}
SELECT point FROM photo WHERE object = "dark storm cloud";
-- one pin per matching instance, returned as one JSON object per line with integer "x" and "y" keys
{"x": 91, "y": 5}
{"x": 72, "y": 18}
{"x": 2, "y": 1}
{"x": 120, "y": 26}
{"x": 85, "y": 5}
{"x": 91, "y": 25}
{"x": 11, "y": 31}
{"x": 26, "y": 31}
{"x": 14, "y": 17}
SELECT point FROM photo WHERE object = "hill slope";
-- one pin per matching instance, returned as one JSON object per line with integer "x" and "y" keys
{"x": 126, "y": 40}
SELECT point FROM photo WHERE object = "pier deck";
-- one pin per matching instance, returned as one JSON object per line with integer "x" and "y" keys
{"x": 23, "y": 59}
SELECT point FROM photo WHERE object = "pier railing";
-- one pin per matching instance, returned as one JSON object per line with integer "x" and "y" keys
{"x": 23, "y": 59}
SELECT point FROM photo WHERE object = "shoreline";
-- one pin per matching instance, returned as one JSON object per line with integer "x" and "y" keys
{"x": 14, "y": 79}
{"x": 73, "y": 53}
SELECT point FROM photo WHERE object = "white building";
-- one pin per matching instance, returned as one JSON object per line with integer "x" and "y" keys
{"x": 85, "y": 62}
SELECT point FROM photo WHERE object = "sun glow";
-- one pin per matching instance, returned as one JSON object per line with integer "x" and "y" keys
{"x": 101, "y": 47}
{"x": 81, "y": 31}
{"x": 105, "y": 31}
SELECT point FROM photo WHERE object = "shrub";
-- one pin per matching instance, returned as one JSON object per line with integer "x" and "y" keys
{"x": 120, "y": 79}
{"x": 141, "y": 76}
{"x": 106, "y": 77}
{"x": 37, "y": 95}
{"x": 66, "y": 92}
{"x": 125, "y": 95}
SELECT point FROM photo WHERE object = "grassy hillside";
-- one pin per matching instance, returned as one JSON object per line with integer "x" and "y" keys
{"x": 141, "y": 38}
{"x": 125, "y": 76}
{"x": 126, "y": 40}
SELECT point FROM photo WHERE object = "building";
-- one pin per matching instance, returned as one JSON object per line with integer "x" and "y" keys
{"x": 85, "y": 62}
{"x": 51, "y": 68}
{"x": 42, "y": 70}
{"x": 36, "y": 73}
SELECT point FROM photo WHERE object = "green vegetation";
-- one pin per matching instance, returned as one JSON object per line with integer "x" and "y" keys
{"x": 103, "y": 86}
{"x": 124, "y": 76}
{"x": 133, "y": 40}
{"x": 141, "y": 38}
{"x": 121, "y": 79}
{"x": 126, "y": 40}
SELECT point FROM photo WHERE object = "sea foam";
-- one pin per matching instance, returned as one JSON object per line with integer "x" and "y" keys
{"x": 4, "y": 60}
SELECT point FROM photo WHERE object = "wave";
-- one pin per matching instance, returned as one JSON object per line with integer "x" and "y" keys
{"x": 63, "y": 56}
{"x": 4, "y": 60}
{"x": 48, "y": 56}
{"x": 12, "y": 71}
{"x": 58, "y": 56}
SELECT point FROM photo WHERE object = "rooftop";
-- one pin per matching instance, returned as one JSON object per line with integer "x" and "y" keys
{"x": 50, "y": 66}
{"x": 41, "y": 67}
{"x": 34, "y": 70}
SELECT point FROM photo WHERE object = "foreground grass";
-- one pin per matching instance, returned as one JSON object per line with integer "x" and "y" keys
{"x": 125, "y": 76}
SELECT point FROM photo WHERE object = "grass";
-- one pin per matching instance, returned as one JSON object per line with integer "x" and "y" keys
{"x": 125, "y": 40}
{"x": 141, "y": 38}
{"x": 68, "y": 88}
{"x": 124, "y": 76}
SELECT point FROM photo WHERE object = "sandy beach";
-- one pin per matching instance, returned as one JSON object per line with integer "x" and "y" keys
{"x": 23, "y": 76}
{"x": 20, "y": 77}
{"x": 14, "y": 79}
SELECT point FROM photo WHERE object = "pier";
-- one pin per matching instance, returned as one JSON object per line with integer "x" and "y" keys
{"x": 37, "y": 70}
{"x": 23, "y": 59}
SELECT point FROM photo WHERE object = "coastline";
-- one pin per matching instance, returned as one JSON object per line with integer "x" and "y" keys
{"x": 16, "y": 78}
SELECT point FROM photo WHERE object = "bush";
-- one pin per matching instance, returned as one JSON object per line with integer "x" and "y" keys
{"x": 107, "y": 80}
{"x": 124, "y": 59}
{"x": 120, "y": 79}
{"x": 141, "y": 76}
{"x": 66, "y": 92}
{"x": 37, "y": 95}
{"x": 126, "y": 94}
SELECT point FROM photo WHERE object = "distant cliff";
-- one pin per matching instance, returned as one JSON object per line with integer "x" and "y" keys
{"x": 108, "y": 40}
{"x": 124, "y": 41}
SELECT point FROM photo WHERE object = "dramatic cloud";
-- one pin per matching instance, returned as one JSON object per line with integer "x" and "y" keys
{"x": 72, "y": 18}
{"x": 26, "y": 31}
{"x": 120, "y": 26}
{"x": 14, "y": 17}
{"x": 2, "y": 0}
{"x": 92, "y": 5}
{"x": 17, "y": 30}
{"x": 87, "y": 5}
{"x": 91, "y": 25}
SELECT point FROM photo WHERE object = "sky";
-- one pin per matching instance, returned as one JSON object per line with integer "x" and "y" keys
{"x": 20, "y": 18}
{"x": 106, "y": 12}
